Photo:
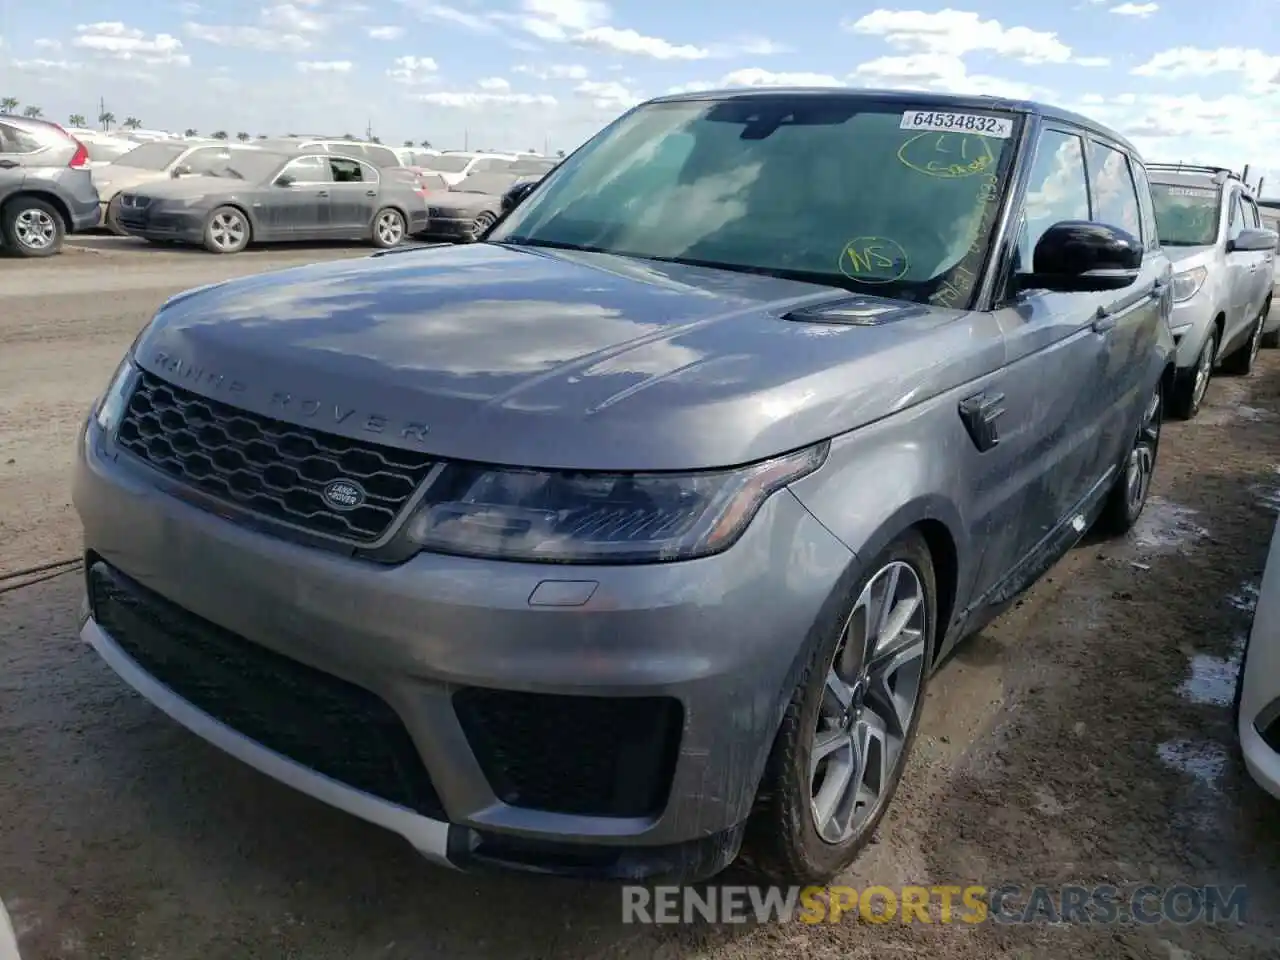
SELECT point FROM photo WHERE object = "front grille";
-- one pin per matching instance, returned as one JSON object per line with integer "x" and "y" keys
{"x": 315, "y": 719}
{"x": 275, "y": 469}
{"x": 131, "y": 201}
{"x": 593, "y": 756}
{"x": 435, "y": 211}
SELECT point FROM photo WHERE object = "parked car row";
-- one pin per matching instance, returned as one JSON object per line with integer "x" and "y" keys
{"x": 224, "y": 196}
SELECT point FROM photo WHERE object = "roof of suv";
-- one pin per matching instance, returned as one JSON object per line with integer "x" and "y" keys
{"x": 907, "y": 98}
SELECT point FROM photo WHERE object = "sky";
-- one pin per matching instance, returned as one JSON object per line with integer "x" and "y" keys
{"x": 1184, "y": 79}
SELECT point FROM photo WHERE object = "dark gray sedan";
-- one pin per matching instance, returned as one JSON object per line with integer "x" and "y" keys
{"x": 272, "y": 196}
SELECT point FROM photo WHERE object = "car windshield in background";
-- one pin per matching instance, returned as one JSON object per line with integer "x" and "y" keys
{"x": 152, "y": 156}
{"x": 1186, "y": 216}
{"x": 252, "y": 165}
{"x": 531, "y": 168}
{"x": 486, "y": 183}
{"x": 106, "y": 152}
{"x": 446, "y": 164}
{"x": 845, "y": 190}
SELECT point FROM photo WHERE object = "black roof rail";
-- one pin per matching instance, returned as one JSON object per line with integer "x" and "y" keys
{"x": 1221, "y": 173}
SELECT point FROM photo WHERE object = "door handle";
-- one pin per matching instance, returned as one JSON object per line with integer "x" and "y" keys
{"x": 8, "y": 164}
{"x": 371, "y": 193}
{"x": 322, "y": 193}
{"x": 1103, "y": 321}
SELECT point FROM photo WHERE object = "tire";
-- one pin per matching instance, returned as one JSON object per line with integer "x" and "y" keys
{"x": 1271, "y": 341}
{"x": 1188, "y": 393}
{"x": 32, "y": 227}
{"x": 483, "y": 223}
{"x": 1241, "y": 361}
{"x": 227, "y": 230}
{"x": 783, "y": 840}
{"x": 1129, "y": 493}
{"x": 389, "y": 228}
{"x": 1238, "y": 696}
{"x": 111, "y": 220}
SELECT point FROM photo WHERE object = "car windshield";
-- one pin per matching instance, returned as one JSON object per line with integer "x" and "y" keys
{"x": 532, "y": 168}
{"x": 152, "y": 156}
{"x": 445, "y": 164}
{"x": 486, "y": 183}
{"x": 880, "y": 197}
{"x": 1186, "y": 216}
{"x": 233, "y": 164}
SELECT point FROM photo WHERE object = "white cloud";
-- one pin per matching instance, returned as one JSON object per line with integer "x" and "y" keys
{"x": 565, "y": 71}
{"x": 608, "y": 95}
{"x": 325, "y": 66}
{"x": 1260, "y": 70}
{"x": 428, "y": 10}
{"x": 45, "y": 43}
{"x": 413, "y": 70}
{"x": 114, "y": 40}
{"x": 1136, "y": 9}
{"x": 759, "y": 77}
{"x": 385, "y": 33}
{"x": 586, "y": 23}
{"x": 945, "y": 74}
{"x": 955, "y": 33}
{"x": 252, "y": 38}
{"x": 494, "y": 84}
{"x": 629, "y": 41}
{"x": 472, "y": 100}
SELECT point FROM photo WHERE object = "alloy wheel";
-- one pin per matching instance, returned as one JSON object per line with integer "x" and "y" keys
{"x": 1204, "y": 368}
{"x": 35, "y": 229}
{"x": 227, "y": 231}
{"x": 870, "y": 696}
{"x": 390, "y": 228}
{"x": 483, "y": 222}
{"x": 1255, "y": 340}
{"x": 1142, "y": 459}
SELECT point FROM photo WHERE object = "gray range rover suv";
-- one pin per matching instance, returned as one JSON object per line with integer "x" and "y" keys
{"x": 629, "y": 537}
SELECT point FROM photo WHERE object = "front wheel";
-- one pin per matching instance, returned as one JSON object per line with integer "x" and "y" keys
{"x": 1240, "y": 363}
{"x": 388, "y": 228}
{"x": 1129, "y": 494}
{"x": 111, "y": 220}
{"x": 226, "y": 231}
{"x": 1189, "y": 389}
{"x": 481, "y": 226}
{"x": 847, "y": 732}
{"x": 32, "y": 227}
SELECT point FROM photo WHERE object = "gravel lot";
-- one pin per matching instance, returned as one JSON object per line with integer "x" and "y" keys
{"x": 1083, "y": 738}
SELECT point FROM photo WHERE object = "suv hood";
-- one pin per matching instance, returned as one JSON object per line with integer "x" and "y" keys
{"x": 1184, "y": 258}
{"x": 540, "y": 358}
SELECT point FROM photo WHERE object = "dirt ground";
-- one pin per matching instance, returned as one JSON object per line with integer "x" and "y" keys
{"x": 1083, "y": 738}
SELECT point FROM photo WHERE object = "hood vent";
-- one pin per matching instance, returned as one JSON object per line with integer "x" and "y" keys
{"x": 856, "y": 312}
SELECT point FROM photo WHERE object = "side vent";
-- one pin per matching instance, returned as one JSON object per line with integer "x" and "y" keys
{"x": 856, "y": 312}
{"x": 979, "y": 414}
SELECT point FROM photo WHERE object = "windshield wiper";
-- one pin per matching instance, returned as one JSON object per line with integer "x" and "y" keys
{"x": 803, "y": 276}
{"x": 558, "y": 245}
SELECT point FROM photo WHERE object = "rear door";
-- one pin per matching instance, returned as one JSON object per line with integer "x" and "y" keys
{"x": 15, "y": 150}
{"x": 355, "y": 196}
{"x": 1128, "y": 320}
{"x": 1239, "y": 262}
{"x": 1050, "y": 393}
{"x": 1261, "y": 269}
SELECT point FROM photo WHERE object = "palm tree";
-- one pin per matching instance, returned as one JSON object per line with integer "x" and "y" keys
{"x": 106, "y": 118}
{"x": 32, "y": 111}
{"x": 244, "y": 137}
{"x": 375, "y": 139}
{"x": 76, "y": 120}
{"x": 559, "y": 153}
{"x": 8, "y": 104}
{"x": 408, "y": 143}
{"x": 425, "y": 144}
{"x": 133, "y": 123}
{"x": 347, "y": 136}
{"x": 219, "y": 134}
{"x": 190, "y": 132}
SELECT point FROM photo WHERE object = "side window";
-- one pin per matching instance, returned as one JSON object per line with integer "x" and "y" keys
{"x": 13, "y": 140}
{"x": 381, "y": 156}
{"x": 354, "y": 150}
{"x": 1115, "y": 200}
{"x": 1146, "y": 205}
{"x": 1235, "y": 218}
{"x": 501, "y": 166}
{"x": 484, "y": 165}
{"x": 308, "y": 170}
{"x": 369, "y": 173}
{"x": 1057, "y": 190}
{"x": 345, "y": 170}
{"x": 1251, "y": 214}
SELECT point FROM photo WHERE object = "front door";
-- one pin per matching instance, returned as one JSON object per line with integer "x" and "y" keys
{"x": 355, "y": 197}
{"x": 1261, "y": 269}
{"x": 301, "y": 209}
{"x": 1241, "y": 268}
{"x": 1052, "y": 408}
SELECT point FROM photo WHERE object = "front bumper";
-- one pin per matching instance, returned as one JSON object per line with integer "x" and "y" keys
{"x": 452, "y": 227}
{"x": 623, "y": 736}
{"x": 1259, "y": 722}
{"x": 1190, "y": 322}
{"x": 160, "y": 223}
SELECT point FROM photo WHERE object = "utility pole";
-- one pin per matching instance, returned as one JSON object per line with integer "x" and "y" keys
{"x": 102, "y": 108}
{"x": 368, "y": 129}
{"x": 466, "y": 139}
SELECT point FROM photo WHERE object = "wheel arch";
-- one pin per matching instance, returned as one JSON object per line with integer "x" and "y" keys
{"x": 52, "y": 199}
{"x": 240, "y": 208}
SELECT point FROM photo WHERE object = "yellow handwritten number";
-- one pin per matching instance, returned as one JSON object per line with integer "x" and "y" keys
{"x": 934, "y": 155}
{"x": 874, "y": 260}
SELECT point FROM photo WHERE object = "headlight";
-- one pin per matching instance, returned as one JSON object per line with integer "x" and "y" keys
{"x": 1188, "y": 283}
{"x": 570, "y": 517}
{"x": 111, "y": 406}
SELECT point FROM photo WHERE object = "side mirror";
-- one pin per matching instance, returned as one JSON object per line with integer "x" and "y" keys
{"x": 284, "y": 180}
{"x": 180, "y": 171}
{"x": 515, "y": 194}
{"x": 1253, "y": 240}
{"x": 1075, "y": 256}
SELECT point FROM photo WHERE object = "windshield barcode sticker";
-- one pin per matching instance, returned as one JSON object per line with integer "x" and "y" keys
{"x": 1197, "y": 192}
{"x": 999, "y": 127}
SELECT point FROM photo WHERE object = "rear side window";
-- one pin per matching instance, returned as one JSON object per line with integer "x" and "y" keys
{"x": 381, "y": 156}
{"x": 1146, "y": 205}
{"x": 1057, "y": 190}
{"x": 1251, "y": 214}
{"x": 14, "y": 140}
{"x": 1115, "y": 199}
{"x": 1235, "y": 222}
